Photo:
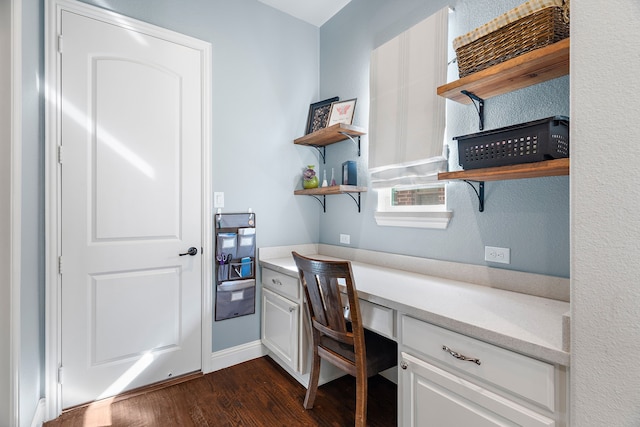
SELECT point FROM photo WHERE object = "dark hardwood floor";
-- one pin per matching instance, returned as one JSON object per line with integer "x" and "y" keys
{"x": 254, "y": 393}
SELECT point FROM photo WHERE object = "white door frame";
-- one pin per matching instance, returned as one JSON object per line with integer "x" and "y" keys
{"x": 53, "y": 188}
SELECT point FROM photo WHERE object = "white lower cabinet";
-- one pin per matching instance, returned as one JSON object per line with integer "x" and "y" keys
{"x": 449, "y": 379}
{"x": 285, "y": 327}
{"x": 280, "y": 324}
{"x": 435, "y": 397}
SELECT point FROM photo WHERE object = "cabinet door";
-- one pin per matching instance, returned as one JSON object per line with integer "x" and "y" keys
{"x": 434, "y": 397}
{"x": 280, "y": 323}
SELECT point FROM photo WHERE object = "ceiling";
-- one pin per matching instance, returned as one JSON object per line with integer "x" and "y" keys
{"x": 315, "y": 12}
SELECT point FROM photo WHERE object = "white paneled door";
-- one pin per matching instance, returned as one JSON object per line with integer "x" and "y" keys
{"x": 131, "y": 132}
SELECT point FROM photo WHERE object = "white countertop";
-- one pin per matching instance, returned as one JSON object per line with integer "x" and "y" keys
{"x": 530, "y": 325}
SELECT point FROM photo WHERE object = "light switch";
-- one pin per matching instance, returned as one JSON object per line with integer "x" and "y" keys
{"x": 218, "y": 199}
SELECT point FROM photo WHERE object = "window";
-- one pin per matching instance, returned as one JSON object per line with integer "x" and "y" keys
{"x": 416, "y": 207}
{"x": 420, "y": 199}
{"x": 407, "y": 126}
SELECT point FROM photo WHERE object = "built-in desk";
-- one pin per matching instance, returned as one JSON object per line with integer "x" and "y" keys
{"x": 527, "y": 324}
{"x": 518, "y": 336}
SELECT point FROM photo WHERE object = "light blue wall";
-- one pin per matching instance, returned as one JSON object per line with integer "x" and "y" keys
{"x": 529, "y": 216}
{"x": 5, "y": 211}
{"x": 32, "y": 310}
{"x": 265, "y": 75}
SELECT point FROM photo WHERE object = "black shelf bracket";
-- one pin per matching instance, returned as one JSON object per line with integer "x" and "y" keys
{"x": 479, "y": 107}
{"x": 323, "y": 152}
{"x": 352, "y": 140}
{"x": 322, "y": 201}
{"x": 354, "y": 199}
{"x": 479, "y": 192}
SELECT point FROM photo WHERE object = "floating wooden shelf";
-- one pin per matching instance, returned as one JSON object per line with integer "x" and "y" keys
{"x": 330, "y": 135}
{"x": 528, "y": 69}
{"x": 557, "y": 167}
{"x": 334, "y": 189}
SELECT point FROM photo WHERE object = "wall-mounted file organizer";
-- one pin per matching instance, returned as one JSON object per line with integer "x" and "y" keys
{"x": 235, "y": 241}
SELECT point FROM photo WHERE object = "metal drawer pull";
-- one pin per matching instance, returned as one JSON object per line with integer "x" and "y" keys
{"x": 460, "y": 356}
{"x": 276, "y": 282}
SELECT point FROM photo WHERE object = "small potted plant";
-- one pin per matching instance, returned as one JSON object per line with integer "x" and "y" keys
{"x": 309, "y": 178}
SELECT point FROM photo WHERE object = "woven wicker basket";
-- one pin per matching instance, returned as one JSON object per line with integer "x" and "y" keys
{"x": 538, "y": 29}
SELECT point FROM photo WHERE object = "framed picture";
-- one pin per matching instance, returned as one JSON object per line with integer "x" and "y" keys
{"x": 319, "y": 114}
{"x": 342, "y": 112}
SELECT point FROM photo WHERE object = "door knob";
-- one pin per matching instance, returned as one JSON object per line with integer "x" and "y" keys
{"x": 191, "y": 251}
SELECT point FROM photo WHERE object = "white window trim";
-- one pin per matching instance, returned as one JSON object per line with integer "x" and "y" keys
{"x": 433, "y": 220}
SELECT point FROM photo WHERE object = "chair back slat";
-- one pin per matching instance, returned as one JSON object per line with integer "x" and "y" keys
{"x": 315, "y": 299}
{"x": 334, "y": 315}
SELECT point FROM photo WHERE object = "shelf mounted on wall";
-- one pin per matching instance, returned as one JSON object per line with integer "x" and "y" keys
{"x": 556, "y": 167}
{"x": 330, "y": 135}
{"x": 320, "y": 194}
{"x": 528, "y": 69}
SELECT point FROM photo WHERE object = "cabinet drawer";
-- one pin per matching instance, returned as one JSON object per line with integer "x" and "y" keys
{"x": 518, "y": 374}
{"x": 375, "y": 317}
{"x": 281, "y": 283}
{"x": 435, "y": 397}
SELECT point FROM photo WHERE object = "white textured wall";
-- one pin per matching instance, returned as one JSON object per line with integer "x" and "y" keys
{"x": 605, "y": 213}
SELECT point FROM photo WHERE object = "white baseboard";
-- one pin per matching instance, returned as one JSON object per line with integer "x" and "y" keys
{"x": 38, "y": 417}
{"x": 234, "y": 355}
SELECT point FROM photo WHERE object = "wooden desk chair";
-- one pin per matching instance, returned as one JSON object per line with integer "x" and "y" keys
{"x": 340, "y": 341}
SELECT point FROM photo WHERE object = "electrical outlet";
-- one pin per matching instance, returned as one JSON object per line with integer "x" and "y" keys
{"x": 345, "y": 238}
{"x": 494, "y": 254}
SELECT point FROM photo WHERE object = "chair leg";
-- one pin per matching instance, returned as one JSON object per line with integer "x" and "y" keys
{"x": 361, "y": 401}
{"x": 314, "y": 376}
